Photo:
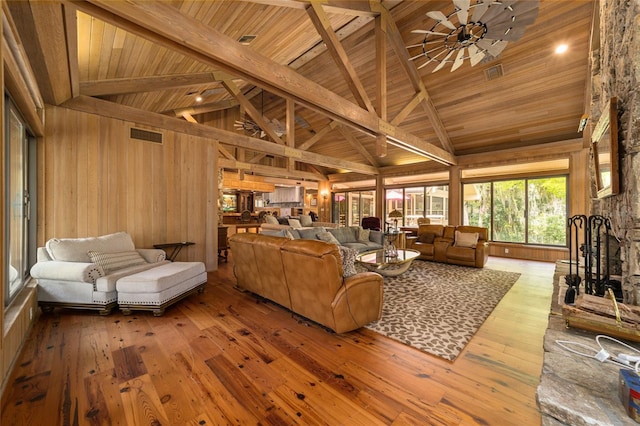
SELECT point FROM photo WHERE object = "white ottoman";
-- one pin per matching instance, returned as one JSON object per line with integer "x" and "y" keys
{"x": 156, "y": 288}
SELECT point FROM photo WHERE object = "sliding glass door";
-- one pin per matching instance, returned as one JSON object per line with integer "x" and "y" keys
{"x": 17, "y": 202}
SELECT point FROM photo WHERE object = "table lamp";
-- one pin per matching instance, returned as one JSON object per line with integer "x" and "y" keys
{"x": 395, "y": 215}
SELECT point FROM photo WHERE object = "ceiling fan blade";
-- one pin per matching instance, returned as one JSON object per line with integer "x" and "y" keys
{"x": 522, "y": 19}
{"x": 497, "y": 9}
{"x": 443, "y": 62}
{"x": 463, "y": 13}
{"x": 428, "y": 32}
{"x": 433, "y": 58}
{"x": 459, "y": 60}
{"x": 502, "y": 33}
{"x": 441, "y": 18}
{"x": 497, "y": 48}
{"x": 479, "y": 9}
{"x": 475, "y": 55}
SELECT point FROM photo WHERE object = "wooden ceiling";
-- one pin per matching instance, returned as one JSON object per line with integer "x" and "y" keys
{"x": 312, "y": 66}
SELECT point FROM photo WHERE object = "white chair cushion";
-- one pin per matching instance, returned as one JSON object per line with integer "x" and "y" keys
{"x": 160, "y": 278}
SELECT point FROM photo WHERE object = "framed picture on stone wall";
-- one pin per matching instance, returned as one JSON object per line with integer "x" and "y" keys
{"x": 605, "y": 151}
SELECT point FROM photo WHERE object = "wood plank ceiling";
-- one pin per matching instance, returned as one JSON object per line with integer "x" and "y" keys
{"x": 313, "y": 66}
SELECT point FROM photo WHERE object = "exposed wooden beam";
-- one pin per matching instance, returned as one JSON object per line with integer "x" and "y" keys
{"x": 319, "y": 135}
{"x": 408, "y": 108}
{"x": 204, "y": 108}
{"x": 122, "y": 112}
{"x": 256, "y": 115}
{"x": 45, "y": 47}
{"x": 399, "y": 48}
{"x": 163, "y": 24}
{"x": 189, "y": 117}
{"x": 71, "y": 34}
{"x": 346, "y": 133}
{"x": 263, "y": 170}
{"x": 323, "y": 26}
{"x": 118, "y": 86}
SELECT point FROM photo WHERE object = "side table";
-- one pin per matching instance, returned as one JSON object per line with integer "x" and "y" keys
{"x": 175, "y": 246}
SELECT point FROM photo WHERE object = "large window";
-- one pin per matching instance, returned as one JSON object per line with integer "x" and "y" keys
{"x": 350, "y": 207}
{"x": 431, "y": 202}
{"x": 18, "y": 201}
{"x": 528, "y": 211}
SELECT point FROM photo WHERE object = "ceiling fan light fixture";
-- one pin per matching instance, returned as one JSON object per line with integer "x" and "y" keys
{"x": 493, "y": 24}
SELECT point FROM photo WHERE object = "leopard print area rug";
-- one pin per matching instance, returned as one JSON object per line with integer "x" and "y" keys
{"x": 437, "y": 308}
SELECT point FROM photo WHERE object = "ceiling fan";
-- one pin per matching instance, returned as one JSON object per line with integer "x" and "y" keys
{"x": 474, "y": 30}
{"x": 254, "y": 130}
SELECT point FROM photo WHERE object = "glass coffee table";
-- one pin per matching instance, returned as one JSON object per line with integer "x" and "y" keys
{"x": 390, "y": 266}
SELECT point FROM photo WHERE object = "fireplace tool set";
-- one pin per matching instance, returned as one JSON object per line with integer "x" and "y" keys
{"x": 595, "y": 251}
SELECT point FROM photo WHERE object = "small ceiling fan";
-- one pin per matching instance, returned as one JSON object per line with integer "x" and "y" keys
{"x": 254, "y": 130}
{"x": 473, "y": 31}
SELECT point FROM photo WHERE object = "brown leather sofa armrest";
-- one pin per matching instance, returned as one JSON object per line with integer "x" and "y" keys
{"x": 482, "y": 253}
{"x": 410, "y": 240}
{"x": 358, "y": 302}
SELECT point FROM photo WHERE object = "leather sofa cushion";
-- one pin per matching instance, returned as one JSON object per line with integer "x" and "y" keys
{"x": 461, "y": 253}
{"x": 427, "y": 238}
{"x": 425, "y": 249}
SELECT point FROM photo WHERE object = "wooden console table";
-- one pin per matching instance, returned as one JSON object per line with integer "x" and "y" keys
{"x": 175, "y": 246}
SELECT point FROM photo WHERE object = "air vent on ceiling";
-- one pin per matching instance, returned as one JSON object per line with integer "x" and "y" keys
{"x": 246, "y": 39}
{"x": 494, "y": 72}
{"x": 146, "y": 135}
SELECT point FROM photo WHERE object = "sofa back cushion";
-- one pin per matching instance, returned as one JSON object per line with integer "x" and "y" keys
{"x": 345, "y": 234}
{"x": 436, "y": 230}
{"x": 271, "y": 220}
{"x": 257, "y": 264}
{"x": 77, "y": 249}
{"x": 313, "y": 271}
{"x": 305, "y": 220}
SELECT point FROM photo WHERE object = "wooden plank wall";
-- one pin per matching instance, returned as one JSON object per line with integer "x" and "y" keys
{"x": 96, "y": 180}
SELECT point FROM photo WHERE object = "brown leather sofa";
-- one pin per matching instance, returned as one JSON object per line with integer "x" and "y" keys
{"x": 306, "y": 276}
{"x": 438, "y": 243}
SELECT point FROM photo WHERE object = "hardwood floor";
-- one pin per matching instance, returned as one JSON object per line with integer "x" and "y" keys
{"x": 225, "y": 357}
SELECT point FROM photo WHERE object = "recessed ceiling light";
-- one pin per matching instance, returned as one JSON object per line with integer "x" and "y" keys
{"x": 198, "y": 98}
{"x": 561, "y": 48}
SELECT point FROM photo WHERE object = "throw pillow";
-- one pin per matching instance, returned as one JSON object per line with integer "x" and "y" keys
{"x": 427, "y": 238}
{"x": 295, "y": 223}
{"x": 348, "y": 256}
{"x": 111, "y": 262}
{"x": 305, "y": 220}
{"x": 328, "y": 237}
{"x": 465, "y": 239}
{"x": 363, "y": 235}
{"x": 271, "y": 220}
{"x": 289, "y": 235}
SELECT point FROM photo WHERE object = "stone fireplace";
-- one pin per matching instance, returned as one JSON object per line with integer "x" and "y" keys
{"x": 616, "y": 73}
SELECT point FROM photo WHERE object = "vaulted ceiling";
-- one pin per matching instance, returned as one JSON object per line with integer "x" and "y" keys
{"x": 317, "y": 69}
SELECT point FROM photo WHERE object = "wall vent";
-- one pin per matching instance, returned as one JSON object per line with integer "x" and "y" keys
{"x": 146, "y": 135}
{"x": 494, "y": 72}
{"x": 246, "y": 39}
